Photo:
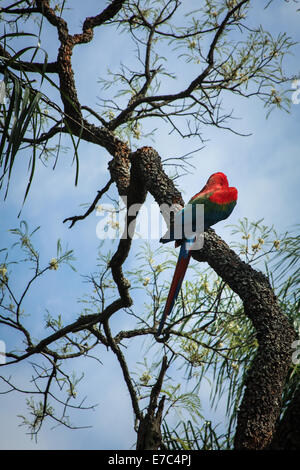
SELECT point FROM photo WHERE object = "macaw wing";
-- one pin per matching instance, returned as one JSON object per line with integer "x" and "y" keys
{"x": 216, "y": 204}
{"x": 187, "y": 223}
{"x": 219, "y": 205}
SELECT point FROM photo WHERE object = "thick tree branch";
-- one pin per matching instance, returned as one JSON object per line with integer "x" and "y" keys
{"x": 43, "y": 7}
{"x": 138, "y": 173}
{"x": 149, "y": 432}
{"x": 287, "y": 435}
{"x": 68, "y": 92}
{"x": 261, "y": 403}
{"x": 263, "y": 389}
{"x": 131, "y": 188}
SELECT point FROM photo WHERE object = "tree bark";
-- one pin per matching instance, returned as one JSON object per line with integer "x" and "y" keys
{"x": 140, "y": 172}
{"x": 287, "y": 435}
{"x": 264, "y": 384}
{"x": 261, "y": 402}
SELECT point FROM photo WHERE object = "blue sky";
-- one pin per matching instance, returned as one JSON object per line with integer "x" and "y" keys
{"x": 264, "y": 167}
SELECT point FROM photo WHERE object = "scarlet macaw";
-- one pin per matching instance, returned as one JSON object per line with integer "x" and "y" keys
{"x": 219, "y": 201}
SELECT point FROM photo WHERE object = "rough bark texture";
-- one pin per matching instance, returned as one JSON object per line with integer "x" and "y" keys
{"x": 287, "y": 435}
{"x": 149, "y": 432}
{"x": 130, "y": 186}
{"x": 136, "y": 174}
{"x": 261, "y": 403}
{"x": 148, "y": 166}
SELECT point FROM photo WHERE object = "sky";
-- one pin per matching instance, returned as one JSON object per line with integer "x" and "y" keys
{"x": 263, "y": 166}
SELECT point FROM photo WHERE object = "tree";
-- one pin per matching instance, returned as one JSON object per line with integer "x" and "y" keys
{"x": 225, "y": 54}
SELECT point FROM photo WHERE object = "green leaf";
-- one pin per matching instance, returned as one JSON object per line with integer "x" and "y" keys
{"x": 7, "y": 123}
{"x": 14, "y": 35}
{"x": 18, "y": 54}
{"x": 20, "y": 130}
